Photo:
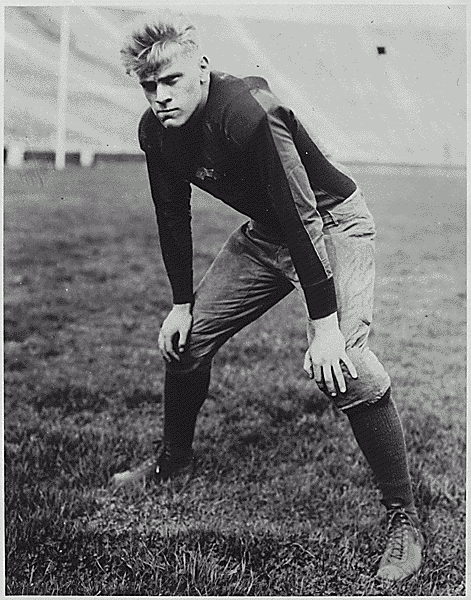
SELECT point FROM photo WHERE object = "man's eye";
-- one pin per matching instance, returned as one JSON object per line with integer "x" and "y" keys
{"x": 149, "y": 86}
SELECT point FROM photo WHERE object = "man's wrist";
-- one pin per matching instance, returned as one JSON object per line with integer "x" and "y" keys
{"x": 183, "y": 308}
{"x": 325, "y": 323}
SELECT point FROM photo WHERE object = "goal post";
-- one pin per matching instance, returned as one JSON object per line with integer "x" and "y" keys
{"x": 62, "y": 89}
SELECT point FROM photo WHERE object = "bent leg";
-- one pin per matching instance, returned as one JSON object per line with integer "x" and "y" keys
{"x": 367, "y": 403}
{"x": 349, "y": 237}
{"x": 242, "y": 283}
{"x": 349, "y": 233}
{"x": 239, "y": 287}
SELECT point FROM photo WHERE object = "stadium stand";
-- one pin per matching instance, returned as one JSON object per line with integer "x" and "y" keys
{"x": 404, "y": 105}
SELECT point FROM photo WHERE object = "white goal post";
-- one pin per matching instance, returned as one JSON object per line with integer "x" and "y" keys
{"x": 62, "y": 89}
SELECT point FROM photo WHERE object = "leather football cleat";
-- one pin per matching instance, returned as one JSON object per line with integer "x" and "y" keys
{"x": 169, "y": 466}
{"x": 403, "y": 555}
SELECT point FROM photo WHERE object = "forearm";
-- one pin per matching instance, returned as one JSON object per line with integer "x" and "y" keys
{"x": 171, "y": 197}
{"x": 295, "y": 205}
{"x": 321, "y": 300}
{"x": 177, "y": 254}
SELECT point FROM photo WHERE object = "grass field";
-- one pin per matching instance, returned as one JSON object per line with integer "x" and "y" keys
{"x": 282, "y": 503}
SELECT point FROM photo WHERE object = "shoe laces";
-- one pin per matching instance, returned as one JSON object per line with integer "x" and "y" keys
{"x": 399, "y": 526}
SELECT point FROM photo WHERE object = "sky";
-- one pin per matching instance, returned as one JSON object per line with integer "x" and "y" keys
{"x": 451, "y": 14}
{"x": 428, "y": 15}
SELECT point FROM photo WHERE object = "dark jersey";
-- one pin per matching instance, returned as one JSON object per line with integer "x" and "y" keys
{"x": 249, "y": 150}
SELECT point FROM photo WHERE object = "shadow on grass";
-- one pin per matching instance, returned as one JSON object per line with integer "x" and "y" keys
{"x": 192, "y": 561}
{"x": 201, "y": 561}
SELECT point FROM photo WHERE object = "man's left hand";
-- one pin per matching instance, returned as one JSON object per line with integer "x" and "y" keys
{"x": 323, "y": 357}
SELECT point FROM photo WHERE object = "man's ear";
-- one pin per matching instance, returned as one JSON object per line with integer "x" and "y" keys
{"x": 204, "y": 69}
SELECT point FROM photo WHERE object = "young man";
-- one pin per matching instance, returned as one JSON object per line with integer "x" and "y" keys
{"x": 309, "y": 229}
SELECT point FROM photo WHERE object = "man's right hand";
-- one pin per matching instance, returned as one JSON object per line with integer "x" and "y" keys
{"x": 175, "y": 330}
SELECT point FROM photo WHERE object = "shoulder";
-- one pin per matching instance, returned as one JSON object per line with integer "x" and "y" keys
{"x": 244, "y": 104}
{"x": 149, "y": 131}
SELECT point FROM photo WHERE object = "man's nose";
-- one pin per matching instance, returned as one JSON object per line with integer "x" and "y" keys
{"x": 162, "y": 95}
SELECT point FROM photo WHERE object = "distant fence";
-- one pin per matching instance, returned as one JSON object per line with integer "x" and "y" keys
{"x": 16, "y": 157}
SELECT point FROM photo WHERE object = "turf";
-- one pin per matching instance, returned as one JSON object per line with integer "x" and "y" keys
{"x": 282, "y": 502}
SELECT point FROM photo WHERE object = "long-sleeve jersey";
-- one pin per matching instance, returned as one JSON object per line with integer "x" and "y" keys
{"x": 252, "y": 152}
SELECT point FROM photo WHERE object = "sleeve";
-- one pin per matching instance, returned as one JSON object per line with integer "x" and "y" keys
{"x": 171, "y": 196}
{"x": 286, "y": 182}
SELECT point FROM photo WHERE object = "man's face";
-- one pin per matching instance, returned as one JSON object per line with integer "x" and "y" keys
{"x": 177, "y": 89}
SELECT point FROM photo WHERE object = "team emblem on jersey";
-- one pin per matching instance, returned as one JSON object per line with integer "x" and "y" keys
{"x": 204, "y": 173}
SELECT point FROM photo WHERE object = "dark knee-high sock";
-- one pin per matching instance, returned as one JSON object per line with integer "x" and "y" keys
{"x": 378, "y": 431}
{"x": 184, "y": 395}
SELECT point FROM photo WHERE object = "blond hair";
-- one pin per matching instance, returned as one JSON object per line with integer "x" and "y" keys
{"x": 155, "y": 39}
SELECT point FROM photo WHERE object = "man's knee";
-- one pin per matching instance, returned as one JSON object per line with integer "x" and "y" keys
{"x": 189, "y": 363}
{"x": 364, "y": 407}
{"x": 371, "y": 384}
